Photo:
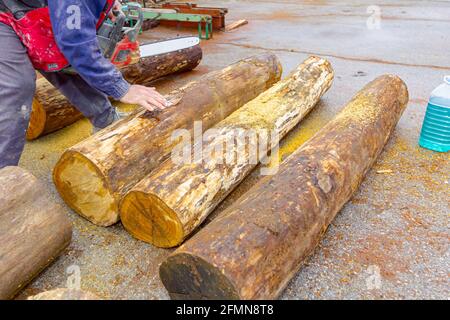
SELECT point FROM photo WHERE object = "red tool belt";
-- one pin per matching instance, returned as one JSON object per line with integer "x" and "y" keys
{"x": 34, "y": 29}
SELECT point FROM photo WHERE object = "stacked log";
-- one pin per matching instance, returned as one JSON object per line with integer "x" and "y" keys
{"x": 33, "y": 230}
{"x": 93, "y": 175}
{"x": 65, "y": 294}
{"x": 52, "y": 111}
{"x": 260, "y": 242}
{"x": 170, "y": 203}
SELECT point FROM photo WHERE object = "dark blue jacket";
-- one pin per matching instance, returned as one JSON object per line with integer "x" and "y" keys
{"x": 80, "y": 46}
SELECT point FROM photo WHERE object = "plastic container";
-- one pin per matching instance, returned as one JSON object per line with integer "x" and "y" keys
{"x": 435, "y": 133}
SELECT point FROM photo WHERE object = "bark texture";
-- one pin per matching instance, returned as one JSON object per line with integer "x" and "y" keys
{"x": 93, "y": 175}
{"x": 33, "y": 230}
{"x": 65, "y": 294}
{"x": 259, "y": 243}
{"x": 52, "y": 111}
{"x": 170, "y": 203}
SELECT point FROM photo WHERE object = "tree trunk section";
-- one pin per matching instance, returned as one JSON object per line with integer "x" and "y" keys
{"x": 33, "y": 230}
{"x": 155, "y": 67}
{"x": 170, "y": 203}
{"x": 259, "y": 243}
{"x": 93, "y": 175}
{"x": 65, "y": 294}
{"x": 52, "y": 111}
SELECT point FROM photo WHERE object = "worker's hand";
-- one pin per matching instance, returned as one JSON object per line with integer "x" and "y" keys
{"x": 146, "y": 97}
{"x": 116, "y": 7}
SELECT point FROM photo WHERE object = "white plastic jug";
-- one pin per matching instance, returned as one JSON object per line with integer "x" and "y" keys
{"x": 435, "y": 133}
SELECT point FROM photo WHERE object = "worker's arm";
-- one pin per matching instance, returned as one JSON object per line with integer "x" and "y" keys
{"x": 74, "y": 26}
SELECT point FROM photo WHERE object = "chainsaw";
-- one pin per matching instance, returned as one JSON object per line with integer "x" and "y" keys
{"x": 118, "y": 38}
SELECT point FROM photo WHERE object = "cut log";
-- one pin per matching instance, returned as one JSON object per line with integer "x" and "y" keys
{"x": 255, "y": 247}
{"x": 93, "y": 175}
{"x": 65, "y": 294}
{"x": 33, "y": 230}
{"x": 166, "y": 206}
{"x": 156, "y": 67}
{"x": 52, "y": 111}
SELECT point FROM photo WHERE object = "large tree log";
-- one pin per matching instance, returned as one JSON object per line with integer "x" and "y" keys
{"x": 52, "y": 111}
{"x": 65, "y": 294}
{"x": 260, "y": 242}
{"x": 166, "y": 206}
{"x": 33, "y": 230}
{"x": 93, "y": 175}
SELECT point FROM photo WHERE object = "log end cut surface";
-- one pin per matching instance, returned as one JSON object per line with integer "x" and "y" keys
{"x": 38, "y": 118}
{"x": 149, "y": 219}
{"x": 85, "y": 190}
{"x": 190, "y": 277}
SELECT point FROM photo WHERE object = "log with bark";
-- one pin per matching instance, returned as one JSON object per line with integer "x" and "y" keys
{"x": 217, "y": 15}
{"x": 93, "y": 175}
{"x": 52, "y": 111}
{"x": 170, "y": 203}
{"x": 65, "y": 294}
{"x": 257, "y": 245}
{"x": 33, "y": 230}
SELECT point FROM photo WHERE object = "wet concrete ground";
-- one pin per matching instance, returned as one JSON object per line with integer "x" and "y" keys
{"x": 391, "y": 241}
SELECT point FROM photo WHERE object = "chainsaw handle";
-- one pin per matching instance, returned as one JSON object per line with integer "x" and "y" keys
{"x": 133, "y": 7}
